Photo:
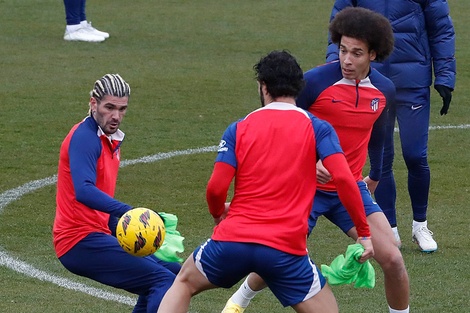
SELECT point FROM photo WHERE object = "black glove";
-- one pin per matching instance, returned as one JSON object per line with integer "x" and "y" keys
{"x": 446, "y": 94}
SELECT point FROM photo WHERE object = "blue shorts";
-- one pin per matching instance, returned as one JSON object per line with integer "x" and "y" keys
{"x": 291, "y": 278}
{"x": 328, "y": 204}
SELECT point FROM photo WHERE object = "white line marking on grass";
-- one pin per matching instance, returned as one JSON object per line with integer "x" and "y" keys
{"x": 167, "y": 155}
{"x": 14, "y": 194}
{"x": 22, "y": 267}
{"x": 463, "y": 126}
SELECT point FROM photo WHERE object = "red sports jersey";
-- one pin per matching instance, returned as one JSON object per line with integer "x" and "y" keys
{"x": 351, "y": 107}
{"x": 88, "y": 169}
{"x": 274, "y": 151}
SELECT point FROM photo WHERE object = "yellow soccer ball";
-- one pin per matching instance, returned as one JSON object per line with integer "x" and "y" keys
{"x": 140, "y": 232}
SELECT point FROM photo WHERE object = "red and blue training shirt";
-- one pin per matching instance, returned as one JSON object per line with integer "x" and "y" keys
{"x": 273, "y": 152}
{"x": 355, "y": 109}
{"x": 87, "y": 174}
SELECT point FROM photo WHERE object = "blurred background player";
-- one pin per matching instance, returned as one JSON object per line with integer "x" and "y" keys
{"x": 86, "y": 212}
{"x": 424, "y": 44}
{"x": 353, "y": 98}
{"x": 78, "y": 28}
{"x": 271, "y": 154}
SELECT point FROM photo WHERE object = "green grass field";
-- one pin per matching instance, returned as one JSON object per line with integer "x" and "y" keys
{"x": 189, "y": 64}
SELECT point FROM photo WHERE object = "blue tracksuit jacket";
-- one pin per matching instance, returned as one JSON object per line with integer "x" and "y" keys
{"x": 424, "y": 38}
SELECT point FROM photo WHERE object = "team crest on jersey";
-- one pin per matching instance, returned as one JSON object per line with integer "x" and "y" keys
{"x": 374, "y": 104}
{"x": 222, "y": 147}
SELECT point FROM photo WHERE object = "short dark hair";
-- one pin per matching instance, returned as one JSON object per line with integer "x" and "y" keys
{"x": 366, "y": 25}
{"x": 281, "y": 74}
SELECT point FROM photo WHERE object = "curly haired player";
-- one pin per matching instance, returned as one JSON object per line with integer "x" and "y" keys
{"x": 353, "y": 98}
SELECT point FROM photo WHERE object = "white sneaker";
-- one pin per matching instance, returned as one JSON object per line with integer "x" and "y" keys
{"x": 397, "y": 237}
{"x": 423, "y": 237}
{"x": 82, "y": 34}
{"x": 94, "y": 31}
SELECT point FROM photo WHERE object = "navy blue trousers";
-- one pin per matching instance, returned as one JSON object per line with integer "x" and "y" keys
{"x": 100, "y": 257}
{"x": 74, "y": 11}
{"x": 412, "y": 111}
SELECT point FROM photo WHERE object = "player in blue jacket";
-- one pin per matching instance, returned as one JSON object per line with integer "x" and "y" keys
{"x": 424, "y": 43}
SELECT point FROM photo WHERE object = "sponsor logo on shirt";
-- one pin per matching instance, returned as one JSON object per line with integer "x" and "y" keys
{"x": 416, "y": 107}
{"x": 222, "y": 147}
{"x": 335, "y": 100}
